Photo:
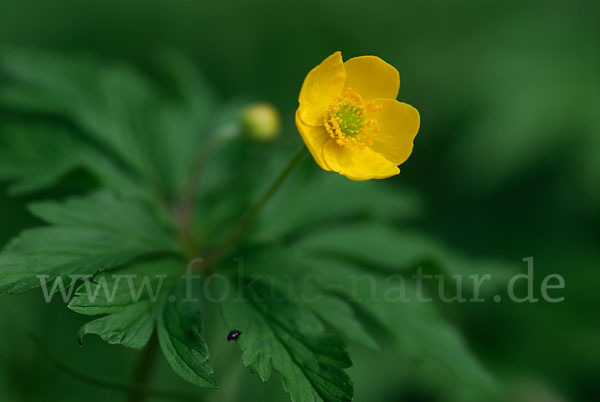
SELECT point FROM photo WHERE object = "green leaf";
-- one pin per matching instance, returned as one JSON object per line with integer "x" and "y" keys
{"x": 89, "y": 234}
{"x": 278, "y": 334}
{"x": 36, "y": 158}
{"x": 340, "y": 315}
{"x": 126, "y": 299}
{"x": 372, "y": 243}
{"x": 400, "y": 251}
{"x": 134, "y": 298}
{"x": 179, "y": 333}
{"x": 416, "y": 326}
{"x": 109, "y": 102}
{"x": 331, "y": 309}
{"x": 156, "y": 140}
{"x": 131, "y": 326}
{"x": 318, "y": 199}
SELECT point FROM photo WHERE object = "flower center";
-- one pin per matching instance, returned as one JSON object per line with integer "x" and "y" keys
{"x": 346, "y": 122}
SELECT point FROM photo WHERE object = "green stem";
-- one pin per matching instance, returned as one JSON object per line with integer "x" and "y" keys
{"x": 145, "y": 366}
{"x": 185, "y": 208}
{"x": 236, "y": 233}
{"x": 110, "y": 384}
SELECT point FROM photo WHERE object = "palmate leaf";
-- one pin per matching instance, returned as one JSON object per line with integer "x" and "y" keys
{"x": 141, "y": 144}
{"x": 329, "y": 274}
{"x": 107, "y": 101}
{"x": 154, "y": 138}
{"x": 416, "y": 326}
{"x": 332, "y": 310}
{"x": 136, "y": 299}
{"x": 339, "y": 253}
{"x": 87, "y": 235}
{"x": 126, "y": 298}
{"x": 278, "y": 334}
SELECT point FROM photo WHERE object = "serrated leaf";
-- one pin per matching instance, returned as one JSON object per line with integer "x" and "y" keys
{"x": 416, "y": 326}
{"x": 127, "y": 299}
{"x": 110, "y": 213}
{"x": 156, "y": 140}
{"x": 130, "y": 326}
{"x": 88, "y": 235}
{"x": 278, "y": 334}
{"x": 37, "y": 157}
{"x": 331, "y": 309}
{"x": 108, "y": 102}
{"x": 179, "y": 329}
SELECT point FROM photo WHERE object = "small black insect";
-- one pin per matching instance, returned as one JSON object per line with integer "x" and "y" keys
{"x": 234, "y": 335}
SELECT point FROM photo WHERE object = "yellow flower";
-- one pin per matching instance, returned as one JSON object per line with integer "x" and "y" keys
{"x": 350, "y": 120}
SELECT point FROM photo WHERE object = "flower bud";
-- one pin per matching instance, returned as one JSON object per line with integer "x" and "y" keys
{"x": 261, "y": 122}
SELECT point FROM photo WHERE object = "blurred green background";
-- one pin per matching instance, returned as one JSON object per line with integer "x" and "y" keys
{"x": 507, "y": 163}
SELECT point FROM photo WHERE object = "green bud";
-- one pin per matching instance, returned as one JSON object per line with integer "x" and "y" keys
{"x": 261, "y": 122}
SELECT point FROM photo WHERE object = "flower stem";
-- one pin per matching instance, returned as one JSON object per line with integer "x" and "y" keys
{"x": 244, "y": 222}
{"x": 184, "y": 209}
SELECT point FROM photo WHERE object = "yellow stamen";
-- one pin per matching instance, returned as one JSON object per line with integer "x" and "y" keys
{"x": 346, "y": 122}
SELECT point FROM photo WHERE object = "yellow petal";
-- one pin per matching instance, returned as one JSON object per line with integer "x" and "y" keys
{"x": 320, "y": 88}
{"x": 372, "y": 77}
{"x": 358, "y": 165}
{"x": 315, "y": 138}
{"x": 398, "y": 124}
